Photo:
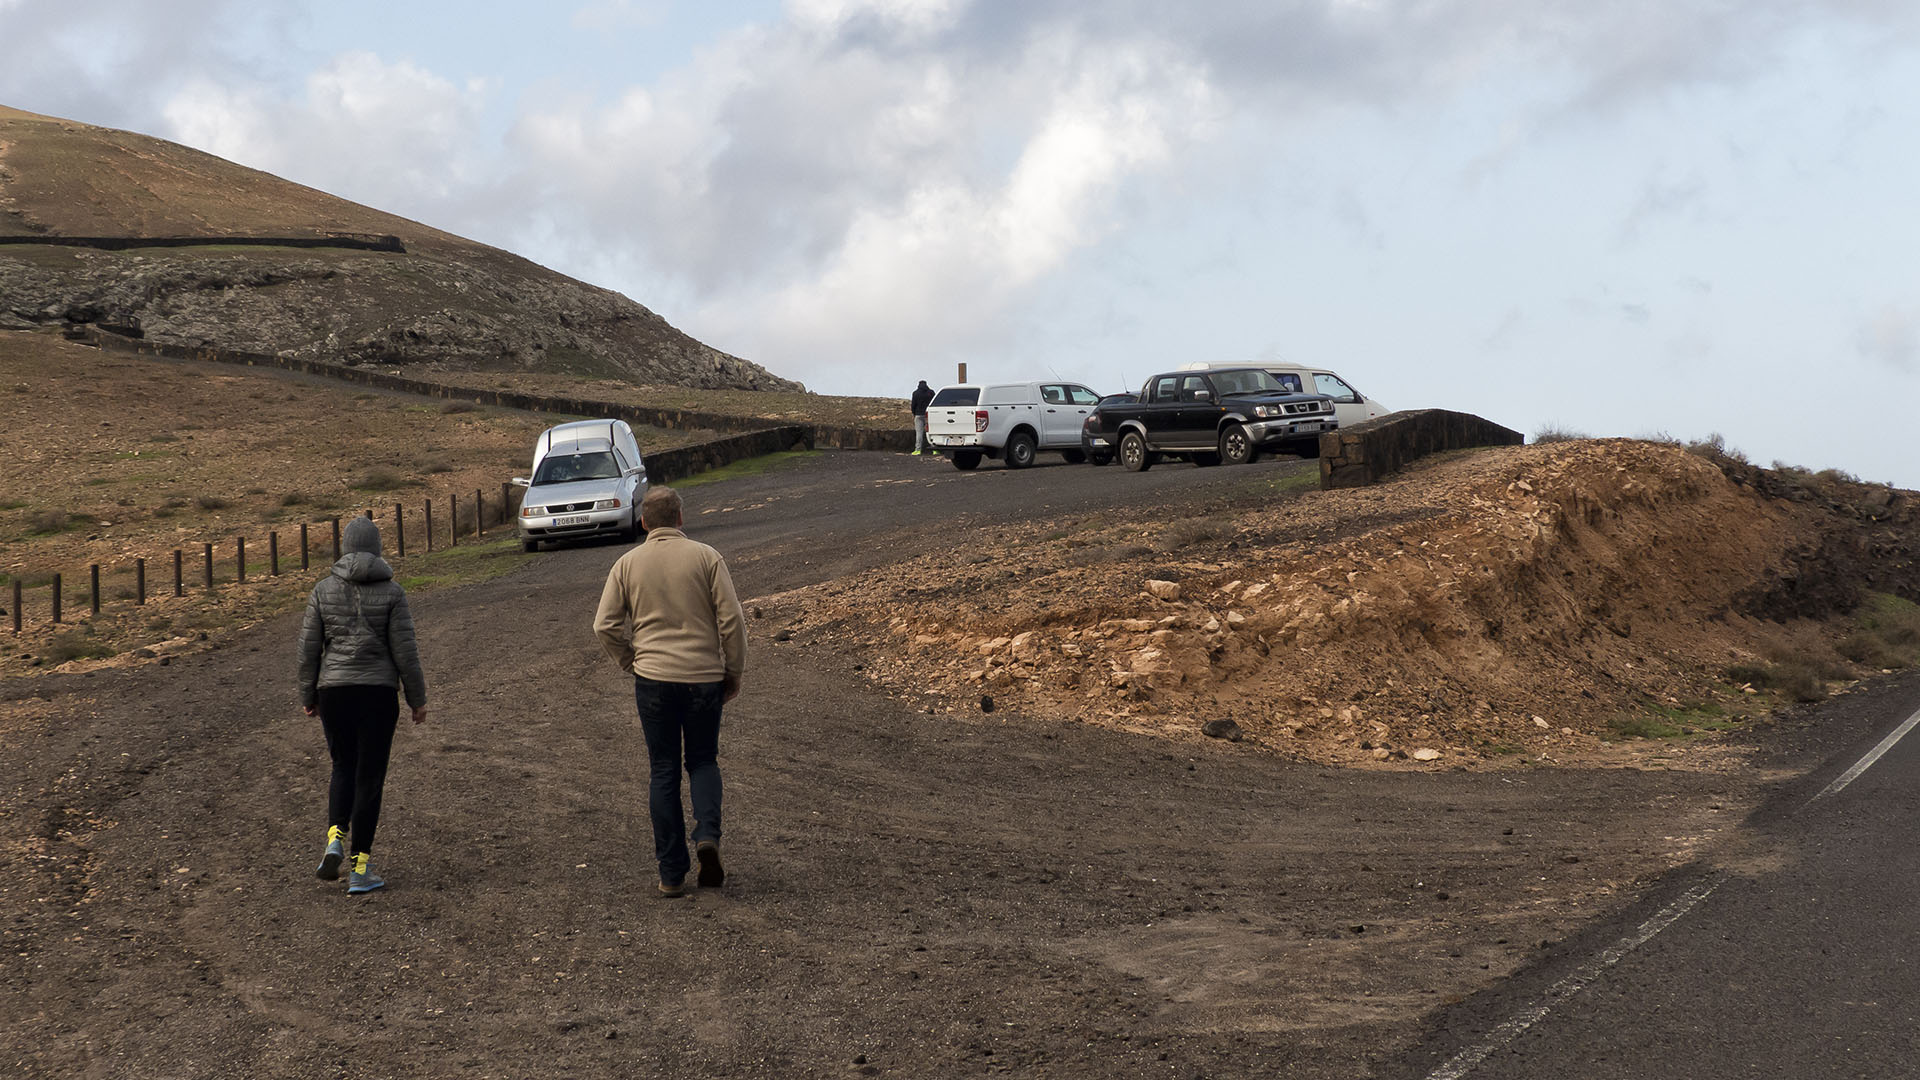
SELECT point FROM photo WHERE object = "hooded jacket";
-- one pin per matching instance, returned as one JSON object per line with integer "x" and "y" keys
{"x": 922, "y": 397}
{"x": 357, "y": 630}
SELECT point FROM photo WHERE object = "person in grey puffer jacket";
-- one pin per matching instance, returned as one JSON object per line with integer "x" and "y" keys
{"x": 356, "y": 647}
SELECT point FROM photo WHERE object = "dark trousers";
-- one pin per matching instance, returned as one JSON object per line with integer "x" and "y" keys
{"x": 359, "y": 722}
{"x": 673, "y": 716}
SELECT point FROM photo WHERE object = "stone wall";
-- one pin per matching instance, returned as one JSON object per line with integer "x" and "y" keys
{"x": 1364, "y": 453}
{"x": 752, "y": 437}
{"x": 354, "y": 241}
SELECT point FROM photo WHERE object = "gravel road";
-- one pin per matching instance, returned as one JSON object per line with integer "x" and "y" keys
{"x": 910, "y": 894}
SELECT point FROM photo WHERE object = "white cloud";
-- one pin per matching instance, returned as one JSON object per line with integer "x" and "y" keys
{"x": 1891, "y": 336}
{"x": 391, "y": 135}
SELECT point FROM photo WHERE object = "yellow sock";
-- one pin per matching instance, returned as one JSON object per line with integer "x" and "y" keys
{"x": 335, "y": 833}
{"x": 360, "y": 863}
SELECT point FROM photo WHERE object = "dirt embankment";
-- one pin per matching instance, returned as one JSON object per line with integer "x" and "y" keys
{"x": 1537, "y": 602}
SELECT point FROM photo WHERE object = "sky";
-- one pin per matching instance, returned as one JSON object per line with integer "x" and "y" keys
{"x": 1641, "y": 217}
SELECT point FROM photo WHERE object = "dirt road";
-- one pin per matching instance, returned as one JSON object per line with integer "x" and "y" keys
{"x": 910, "y": 894}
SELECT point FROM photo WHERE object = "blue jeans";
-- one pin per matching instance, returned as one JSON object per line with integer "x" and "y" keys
{"x": 673, "y": 714}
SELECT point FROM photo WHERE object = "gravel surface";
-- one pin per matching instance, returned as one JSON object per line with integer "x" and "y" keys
{"x": 911, "y": 893}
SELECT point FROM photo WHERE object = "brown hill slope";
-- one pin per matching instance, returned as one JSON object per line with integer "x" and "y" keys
{"x": 445, "y": 299}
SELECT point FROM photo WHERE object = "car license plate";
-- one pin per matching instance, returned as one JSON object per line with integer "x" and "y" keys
{"x": 571, "y": 519}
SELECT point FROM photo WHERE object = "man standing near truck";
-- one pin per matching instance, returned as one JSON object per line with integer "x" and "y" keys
{"x": 922, "y": 397}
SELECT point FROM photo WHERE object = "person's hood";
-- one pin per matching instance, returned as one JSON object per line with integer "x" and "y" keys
{"x": 362, "y": 535}
{"x": 362, "y": 567}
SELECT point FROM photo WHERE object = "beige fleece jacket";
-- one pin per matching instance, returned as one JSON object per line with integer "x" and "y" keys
{"x": 669, "y": 612}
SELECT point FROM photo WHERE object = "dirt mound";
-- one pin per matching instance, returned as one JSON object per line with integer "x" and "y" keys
{"x": 1535, "y": 600}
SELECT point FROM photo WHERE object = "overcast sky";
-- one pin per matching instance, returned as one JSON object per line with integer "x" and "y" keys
{"x": 1627, "y": 217}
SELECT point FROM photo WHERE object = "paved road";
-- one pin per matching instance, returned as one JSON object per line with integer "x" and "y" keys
{"x": 1792, "y": 956}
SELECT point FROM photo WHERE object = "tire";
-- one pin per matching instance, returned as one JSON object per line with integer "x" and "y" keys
{"x": 1100, "y": 459}
{"x": 1074, "y": 457}
{"x": 1236, "y": 448}
{"x": 965, "y": 460}
{"x": 1134, "y": 453}
{"x": 529, "y": 545}
{"x": 1206, "y": 459}
{"x": 1020, "y": 451}
{"x": 634, "y": 531}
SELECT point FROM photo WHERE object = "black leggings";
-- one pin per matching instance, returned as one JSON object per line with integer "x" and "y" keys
{"x": 359, "y": 721}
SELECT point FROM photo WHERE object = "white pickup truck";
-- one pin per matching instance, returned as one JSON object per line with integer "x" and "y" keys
{"x": 1010, "y": 421}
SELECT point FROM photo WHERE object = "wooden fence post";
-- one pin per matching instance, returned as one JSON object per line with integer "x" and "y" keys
{"x": 273, "y": 554}
{"x": 93, "y": 587}
{"x": 179, "y": 578}
{"x": 209, "y": 555}
{"x": 56, "y": 598}
{"x": 240, "y": 560}
{"x": 303, "y": 545}
{"x": 16, "y": 605}
{"x": 453, "y": 520}
{"x": 336, "y": 539}
{"x": 429, "y": 525}
{"x": 140, "y": 582}
{"x": 399, "y": 531}
{"x": 479, "y": 515}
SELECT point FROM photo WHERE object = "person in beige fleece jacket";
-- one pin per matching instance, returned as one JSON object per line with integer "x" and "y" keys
{"x": 669, "y": 615}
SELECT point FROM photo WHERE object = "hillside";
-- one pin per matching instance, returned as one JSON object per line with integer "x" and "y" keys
{"x": 445, "y": 300}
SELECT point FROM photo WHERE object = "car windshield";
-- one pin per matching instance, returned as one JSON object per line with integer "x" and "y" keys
{"x": 566, "y": 468}
{"x": 1247, "y": 381}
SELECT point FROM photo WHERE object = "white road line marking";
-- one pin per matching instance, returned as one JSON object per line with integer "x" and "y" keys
{"x": 1866, "y": 763}
{"x": 1465, "y": 1061}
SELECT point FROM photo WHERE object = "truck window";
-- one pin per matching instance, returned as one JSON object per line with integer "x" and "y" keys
{"x": 1007, "y": 394}
{"x": 956, "y": 395}
{"x": 1083, "y": 396}
{"x": 1053, "y": 395}
{"x": 1166, "y": 388}
{"x": 1289, "y": 381}
{"x": 1193, "y": 386}
{"x": 1330, "y": 385}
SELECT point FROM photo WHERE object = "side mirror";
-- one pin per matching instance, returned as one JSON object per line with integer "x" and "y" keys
{"x": 521, "y": 481}
{"x": 1203, "y": 395}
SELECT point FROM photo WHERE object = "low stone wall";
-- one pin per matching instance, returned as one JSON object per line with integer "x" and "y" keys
{"x": 1365, "y": 453}
{"x": 354, "y": 241}
{"x": 669, "y": 466}
{"x": 812, "y": 435}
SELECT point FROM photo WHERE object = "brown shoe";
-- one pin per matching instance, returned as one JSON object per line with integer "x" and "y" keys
{"x": 707, "y": 854}
{"x": 674, "y": 888}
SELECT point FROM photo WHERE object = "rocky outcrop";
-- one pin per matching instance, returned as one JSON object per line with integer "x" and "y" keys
{"x": 478, "y": 310}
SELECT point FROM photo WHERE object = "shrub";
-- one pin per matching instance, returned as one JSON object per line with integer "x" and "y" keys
{"x": 293, "y": 498}
{"x": 1551, "y": 434}
{"x": 1192, "y": 531}
{"x": 452, "y": 407}
{"x": 438, "y": 467}
{"x": 380, "y": 478}
{"x": 211, "y": 502}
{"x": 47, "y": 521}
{"x": 75, "y": 646}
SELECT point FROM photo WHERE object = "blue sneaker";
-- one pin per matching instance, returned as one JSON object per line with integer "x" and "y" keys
{"x": 363, "y": 879}
{"x": 329, "y": 868}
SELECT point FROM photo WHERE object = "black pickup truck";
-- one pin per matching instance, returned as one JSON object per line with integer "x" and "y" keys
{"x": 1229, "y": 414}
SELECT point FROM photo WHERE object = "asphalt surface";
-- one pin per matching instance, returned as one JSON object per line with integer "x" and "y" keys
{"x": 1791, "y": 954}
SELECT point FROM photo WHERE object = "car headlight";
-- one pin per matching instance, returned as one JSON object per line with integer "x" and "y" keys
{"x": 607, "y": 504}
{"x": 529, "y": 511}
{"x": 1263, "y": 411}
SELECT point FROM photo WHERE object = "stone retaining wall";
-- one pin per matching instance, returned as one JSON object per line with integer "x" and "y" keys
{"x": 354, "y": 241}
{"x": 752, "y": 436}
{"x": 1368, "y": 452}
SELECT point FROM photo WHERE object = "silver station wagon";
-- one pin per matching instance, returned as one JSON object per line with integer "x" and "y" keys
{"x": 587, "y": 481}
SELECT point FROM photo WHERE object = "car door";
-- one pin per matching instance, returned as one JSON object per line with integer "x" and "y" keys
{"x": 1059, "y": 424}
{"x": 1200, "y": 411}
{"x": 1348, "y": 405}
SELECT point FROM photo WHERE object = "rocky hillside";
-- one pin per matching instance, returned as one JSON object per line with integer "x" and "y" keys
{"x": 444, "y": 301}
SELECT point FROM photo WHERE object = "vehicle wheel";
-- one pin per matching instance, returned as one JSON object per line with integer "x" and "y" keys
{"x": 1074, "y": 457}
{"x": 529, "y": 545}
{"x": 634, "y": 531}
{"x": 1133, "y": 452}
{"x": 965, "y": 459}
{"x": 1236, "y": 448}
{"x": 1020, "y": 450}
{"x": 1206, "y": 459}
{"x": 1100, "y": 459}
